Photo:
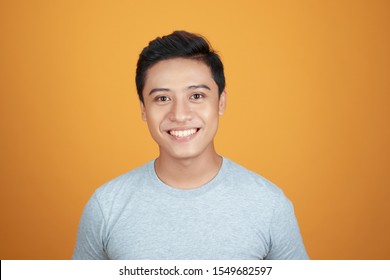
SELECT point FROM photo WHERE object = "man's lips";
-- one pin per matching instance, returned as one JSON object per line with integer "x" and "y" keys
{"x": 182, "y": 133}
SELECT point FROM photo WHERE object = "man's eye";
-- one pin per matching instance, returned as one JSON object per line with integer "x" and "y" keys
{"x": 162, "y": 98}
{"x": 197, "y": 96}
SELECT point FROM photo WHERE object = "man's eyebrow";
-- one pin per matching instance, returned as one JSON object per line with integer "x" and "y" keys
{"x": 189, "y": 87}
{"x": 158, "y": 89}
{"x": 198, "y": 86}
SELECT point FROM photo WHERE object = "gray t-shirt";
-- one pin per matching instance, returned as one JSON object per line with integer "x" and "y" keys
{"x": 237, "y": 215}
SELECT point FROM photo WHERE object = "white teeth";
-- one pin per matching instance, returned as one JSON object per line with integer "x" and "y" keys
{"x": 182, "y": 133}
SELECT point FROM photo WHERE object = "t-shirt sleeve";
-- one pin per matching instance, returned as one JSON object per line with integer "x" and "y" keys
{"x": 286, "y": 240}
{"x": 90, "y": 241}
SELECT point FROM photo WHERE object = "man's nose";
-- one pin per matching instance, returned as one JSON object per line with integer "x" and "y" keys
{"x": 180, "y": 111}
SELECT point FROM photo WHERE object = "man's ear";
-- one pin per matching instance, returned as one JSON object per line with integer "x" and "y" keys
{"x": 143, "y": 111}
{"x": 222, "y": 103}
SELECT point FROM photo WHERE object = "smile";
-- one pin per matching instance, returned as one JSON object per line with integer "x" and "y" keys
{"x": 183, "y": 133}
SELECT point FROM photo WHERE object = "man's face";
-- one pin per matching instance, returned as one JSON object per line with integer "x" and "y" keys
{"x": 182, "y": 107}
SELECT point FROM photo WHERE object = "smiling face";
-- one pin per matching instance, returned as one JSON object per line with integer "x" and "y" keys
{"x": 181, "y": 107}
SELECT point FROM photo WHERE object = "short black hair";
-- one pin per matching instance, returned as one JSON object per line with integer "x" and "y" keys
{"x": 179, "y": 44}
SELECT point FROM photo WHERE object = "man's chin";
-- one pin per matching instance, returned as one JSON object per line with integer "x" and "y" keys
{"x": 184, "y": 155}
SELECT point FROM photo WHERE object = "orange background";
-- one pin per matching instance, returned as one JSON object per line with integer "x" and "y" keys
{"x": 309, "y": 98}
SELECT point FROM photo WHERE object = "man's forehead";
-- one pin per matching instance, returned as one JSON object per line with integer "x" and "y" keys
{"x": 187, "y": 72}
{"x": 176, "y": 62}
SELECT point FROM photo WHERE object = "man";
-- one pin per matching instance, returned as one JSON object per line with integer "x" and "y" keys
{"x": 189, "y": 203}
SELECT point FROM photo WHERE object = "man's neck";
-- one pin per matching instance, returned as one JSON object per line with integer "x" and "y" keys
{"x": 188, "y": 173}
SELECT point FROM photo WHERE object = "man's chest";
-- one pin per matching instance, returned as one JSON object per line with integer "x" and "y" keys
{"x": 186, "y": 234}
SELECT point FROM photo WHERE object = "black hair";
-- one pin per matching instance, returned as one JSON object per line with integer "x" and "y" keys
{"x": 179, "y": 44}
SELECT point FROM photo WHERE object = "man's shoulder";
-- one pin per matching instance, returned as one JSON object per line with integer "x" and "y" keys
{"x": 251, "y": 181}
{"x": 125, "y": 183}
